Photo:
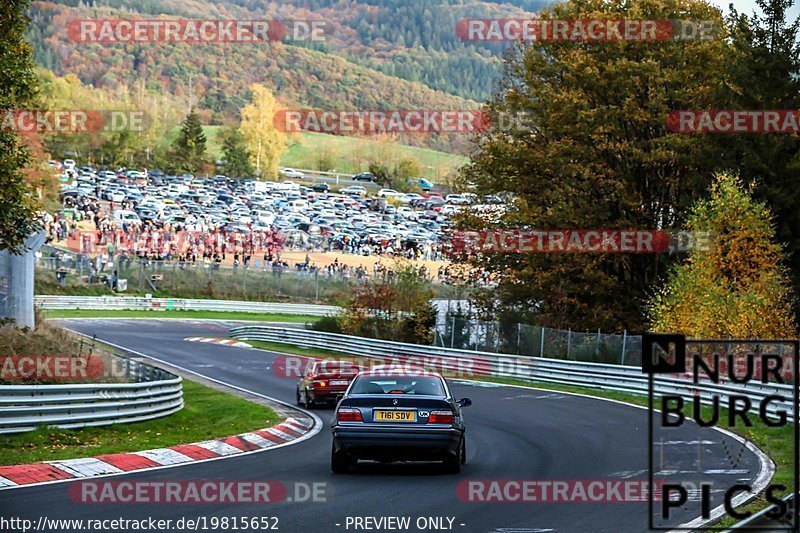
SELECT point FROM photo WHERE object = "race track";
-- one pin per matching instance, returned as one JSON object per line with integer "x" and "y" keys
{"x": 513, "y": 433}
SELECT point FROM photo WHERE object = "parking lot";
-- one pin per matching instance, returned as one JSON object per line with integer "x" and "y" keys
{"x": 308, "y": 216}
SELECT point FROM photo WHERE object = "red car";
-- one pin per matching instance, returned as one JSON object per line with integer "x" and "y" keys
{"x": 324, "y": 381}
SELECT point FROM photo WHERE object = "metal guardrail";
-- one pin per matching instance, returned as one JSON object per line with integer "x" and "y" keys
{"x": 760, "y": 519}
{"x": 468, "y": 363}
{"x": 153, "y": 393}
{"x": 178, "y": 304}
{"x": 322, "y": 173}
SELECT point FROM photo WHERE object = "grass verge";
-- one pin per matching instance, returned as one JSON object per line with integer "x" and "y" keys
{"x": 221, "y": 315}
{"x": 295, "y": 350}
{"x": 777, "y": 443}
{"x": 207, "y": 414}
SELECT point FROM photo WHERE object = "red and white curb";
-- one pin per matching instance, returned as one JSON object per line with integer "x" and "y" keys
{"x": 224, "y": 342}
{"x": 119, "y": 463}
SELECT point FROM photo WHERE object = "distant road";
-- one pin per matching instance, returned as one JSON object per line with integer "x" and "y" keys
{"x": 342, "y": 179}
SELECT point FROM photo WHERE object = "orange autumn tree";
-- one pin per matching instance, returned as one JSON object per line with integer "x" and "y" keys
{"x": 737, "y": 286}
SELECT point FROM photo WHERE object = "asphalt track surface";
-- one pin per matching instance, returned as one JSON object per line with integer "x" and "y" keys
{"x": 513, "y": 433}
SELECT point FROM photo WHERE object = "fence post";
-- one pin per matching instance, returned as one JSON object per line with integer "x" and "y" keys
{"x": 453, "y": 331}
{"x": 316, "y": 279}
{"x": 519, "y": 327}
{"x": 541, "y": 344}
{"x": 597, "y": 346}
{"x": 624, "y": 343}
{"x": 569, "y": 342}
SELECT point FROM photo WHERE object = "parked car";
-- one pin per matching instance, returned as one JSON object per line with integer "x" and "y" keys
{"x": 321, "y": 187}
{"x": 364, "y": 176}
{"x": 356, "y": 190}
{"x": 422, "y": 183}
{"x": 291, "y": 173}
{"x": 383, "y": 193}
{"x": 122, "y": 216}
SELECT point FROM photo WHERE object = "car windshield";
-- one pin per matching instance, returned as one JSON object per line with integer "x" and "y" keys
{"x": 416, "y": 385}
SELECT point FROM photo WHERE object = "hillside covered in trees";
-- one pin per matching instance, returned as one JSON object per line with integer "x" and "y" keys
{"x": 414, "y": 41}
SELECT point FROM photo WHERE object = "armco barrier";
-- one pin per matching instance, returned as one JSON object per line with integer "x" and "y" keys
{"x": 152, "y": 393}
{"x": 178, "y": 304}
{"x": 620, "y": 378}
{"x": 761, "y": 522}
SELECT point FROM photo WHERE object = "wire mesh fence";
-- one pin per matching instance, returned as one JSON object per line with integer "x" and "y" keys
{"x": 59, "y": 272}
{"x": 257, "y": 281}
{"x": 537, "y": 341}
{"x": 260, "y": 281}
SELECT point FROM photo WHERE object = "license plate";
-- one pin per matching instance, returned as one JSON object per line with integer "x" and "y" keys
{"x": 395, "y": 416}
{"x": 339, "y": 382}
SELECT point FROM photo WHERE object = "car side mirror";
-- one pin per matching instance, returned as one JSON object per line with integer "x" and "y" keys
{"x": 464, "y": 402}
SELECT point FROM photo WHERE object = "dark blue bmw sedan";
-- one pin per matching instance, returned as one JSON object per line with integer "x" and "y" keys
{"x": 392, "y": 415}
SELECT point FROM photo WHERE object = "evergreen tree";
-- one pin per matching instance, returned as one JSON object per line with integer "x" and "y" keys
{"x": 236, "y": 155}
{"x": 189, "y": 149}
{"x": 764, "y": 73}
